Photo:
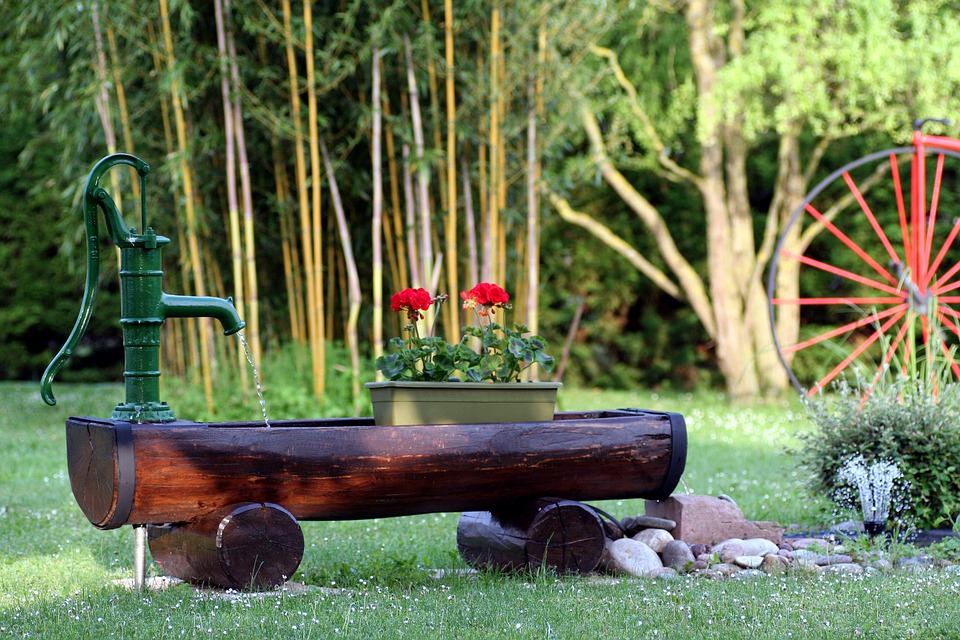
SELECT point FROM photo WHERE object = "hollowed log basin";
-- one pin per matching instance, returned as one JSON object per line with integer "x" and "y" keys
{"x": 222, "y": 500}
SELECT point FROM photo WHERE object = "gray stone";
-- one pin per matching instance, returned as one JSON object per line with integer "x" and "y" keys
{"x": 726, "y": 569}
{"x": 677, "y": 554}
{"x": 632, "y": 557}
{"x": 810, "y": 543}
{"x": 836, "y": 558}
{"x": 804, "y": 554}
{"x": 633, "y": 524}
{"x": 656, "y": 539}
{"x": 667, "y": 573}
{"x": 759, "y": 547}
{"x": 729, "y": 549}
{"x": 699, "y": 565}
{"x": 699, "y": 549}
{"x": 749, "y": 562}
{"x": 749, "y": 574}
{"x": 773, "y": 564}
{"x": 806, "y": 567}
{"x": 844, "y": 568}
{"x": 916, "y": 563}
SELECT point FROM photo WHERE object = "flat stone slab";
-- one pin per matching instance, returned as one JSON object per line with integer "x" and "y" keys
{"x": 709, "y": 520}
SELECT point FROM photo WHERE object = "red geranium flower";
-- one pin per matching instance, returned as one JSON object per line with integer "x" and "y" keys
{"x": 485, "y": 295}
{"x": 413, "y": 300}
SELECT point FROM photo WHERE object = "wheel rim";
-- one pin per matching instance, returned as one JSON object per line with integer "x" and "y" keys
{"x": 877, "y": 285}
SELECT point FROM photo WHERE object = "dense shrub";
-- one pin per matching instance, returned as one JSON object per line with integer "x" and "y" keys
{"x": 918, "y": 428}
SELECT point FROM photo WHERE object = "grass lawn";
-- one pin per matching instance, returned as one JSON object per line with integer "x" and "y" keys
{"x": 379, "y": 578}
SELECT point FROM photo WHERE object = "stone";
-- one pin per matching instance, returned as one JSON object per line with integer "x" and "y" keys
{"x": 827, "y": 560}
{"x": 634, "y": 524}
{"x": 677, "y": 554}
{"x": 699, "y": 549}
{"x": 700, "y": 565}
{"x": 709, "y": 520}
{"x": 916, "y": 563}
{"x": 656, "y": 539}
{"x": 632, "y": 557}
{"x": 773, "y": 564}
{"x": 726, "y": 569}
{"x": 749, "y": 574}
{"x": 729, "y": 550}
{"x": 667, "y": 573}
{"x": 804, "y": 554}
{"x": 749, "y": 562}
{"x": 759, "y": 547}
{"x": 844, "y": 568}
{"x": 810, "y": 543}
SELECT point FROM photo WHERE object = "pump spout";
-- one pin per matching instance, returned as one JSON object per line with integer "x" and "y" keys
{"x": 174, "y": 306}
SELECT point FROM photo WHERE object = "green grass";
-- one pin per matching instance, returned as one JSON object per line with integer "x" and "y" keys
{"x": 376, "y": 578}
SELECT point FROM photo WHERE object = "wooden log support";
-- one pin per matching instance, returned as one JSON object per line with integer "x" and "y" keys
{"x": 336, "y": 469}
{"x": 252, "y": 546}
{"x": 563, "y": 536}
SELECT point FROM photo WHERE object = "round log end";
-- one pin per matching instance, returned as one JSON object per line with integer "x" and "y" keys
{"x": 566, "y": 537}
{"x": 251, "y": 546}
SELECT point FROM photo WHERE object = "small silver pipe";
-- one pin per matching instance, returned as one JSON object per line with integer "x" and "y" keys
{"x": 139, "y": 556}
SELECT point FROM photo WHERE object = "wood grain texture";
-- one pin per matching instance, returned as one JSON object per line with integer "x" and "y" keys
{"x": 350, "y": 469}
{"x": 251, "y": 546}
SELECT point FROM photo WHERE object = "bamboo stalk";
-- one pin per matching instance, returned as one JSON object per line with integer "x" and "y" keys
{"x": 352, "y": 275}
{"x": 434, "y": 104}
{"x": 423, "y": 175}
{"x": 233, "y": 209}
{"x": 396, "y": 209}
{"x": 313, "y": 325}
{"x": 416, "y": 279}
{"x": 188, "y": 192}
{"x": 450, "y": 231}
{"x": 491, "y": 257}
{"x": 316, "y": 217}
{"x": 376, "y": 230}
{"x": 126, "y": 129}
{"x": 249, "y": 247}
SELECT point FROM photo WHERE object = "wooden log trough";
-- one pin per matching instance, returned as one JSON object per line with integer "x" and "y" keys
{"x": 223, "y": 500}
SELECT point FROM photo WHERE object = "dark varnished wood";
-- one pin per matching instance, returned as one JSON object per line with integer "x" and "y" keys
{"x": 350, "y": 468}
{"x": 250, "y": 546}
{"x": 563, "y": 536}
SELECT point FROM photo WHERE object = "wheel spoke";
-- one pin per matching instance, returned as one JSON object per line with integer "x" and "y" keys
{"x": 901, "y": 210}
{"x": 856, "y": 324}
{"x": 837, "y": 271}
{"x": 927, "y": 273}
{"x": 847, "y": 301}
{"x": 873, "y": 220}
{"x": 856, "y": 353}
{"x": 853, "y": 246}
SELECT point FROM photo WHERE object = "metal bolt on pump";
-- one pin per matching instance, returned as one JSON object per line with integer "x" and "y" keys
{"x": 143, "y": 304}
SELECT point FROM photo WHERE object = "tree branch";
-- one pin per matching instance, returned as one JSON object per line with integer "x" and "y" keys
{"x": 615, "y": 242}
{"x": 676, "y": 171}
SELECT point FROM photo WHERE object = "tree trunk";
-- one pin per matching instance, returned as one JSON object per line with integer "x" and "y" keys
{"x": 735, "y": 355}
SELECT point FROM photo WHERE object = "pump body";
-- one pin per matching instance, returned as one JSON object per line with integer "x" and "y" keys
{"x": 144, "y": 305}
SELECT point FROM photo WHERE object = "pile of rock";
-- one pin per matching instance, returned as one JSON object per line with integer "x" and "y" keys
{"x": 687, "y": 534}
{"x": 701, "y": 544}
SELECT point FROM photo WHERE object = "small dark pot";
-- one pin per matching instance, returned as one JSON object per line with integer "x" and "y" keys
{"x": 874, "y": 527}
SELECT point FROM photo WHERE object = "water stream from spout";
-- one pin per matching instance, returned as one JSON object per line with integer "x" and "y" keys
{"x": 256, "y": 377}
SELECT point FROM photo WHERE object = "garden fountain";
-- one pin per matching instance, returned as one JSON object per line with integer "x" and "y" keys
{"x": 220, "y": 501}
{"x": 874, "y": 485}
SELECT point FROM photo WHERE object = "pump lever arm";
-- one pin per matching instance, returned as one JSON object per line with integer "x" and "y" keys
{"x": 93, "y": 197}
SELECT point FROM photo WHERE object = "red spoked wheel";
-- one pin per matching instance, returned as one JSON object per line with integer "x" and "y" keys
{"x": 866, "y": 274}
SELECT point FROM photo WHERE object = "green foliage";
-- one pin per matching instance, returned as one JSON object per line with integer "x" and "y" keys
{"x": 898, "y": 420}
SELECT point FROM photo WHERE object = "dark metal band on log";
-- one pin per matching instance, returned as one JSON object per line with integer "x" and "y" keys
{"x": 337, "y": 469}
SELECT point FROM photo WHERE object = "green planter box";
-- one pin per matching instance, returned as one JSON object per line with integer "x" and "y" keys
{"x": 405, "y": 403}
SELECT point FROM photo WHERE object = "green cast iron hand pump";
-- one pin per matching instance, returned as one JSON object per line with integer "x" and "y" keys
{"x": 144, "y": 305}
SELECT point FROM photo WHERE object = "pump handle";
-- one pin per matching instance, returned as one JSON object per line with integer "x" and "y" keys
{"x": 94, "y": 196}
